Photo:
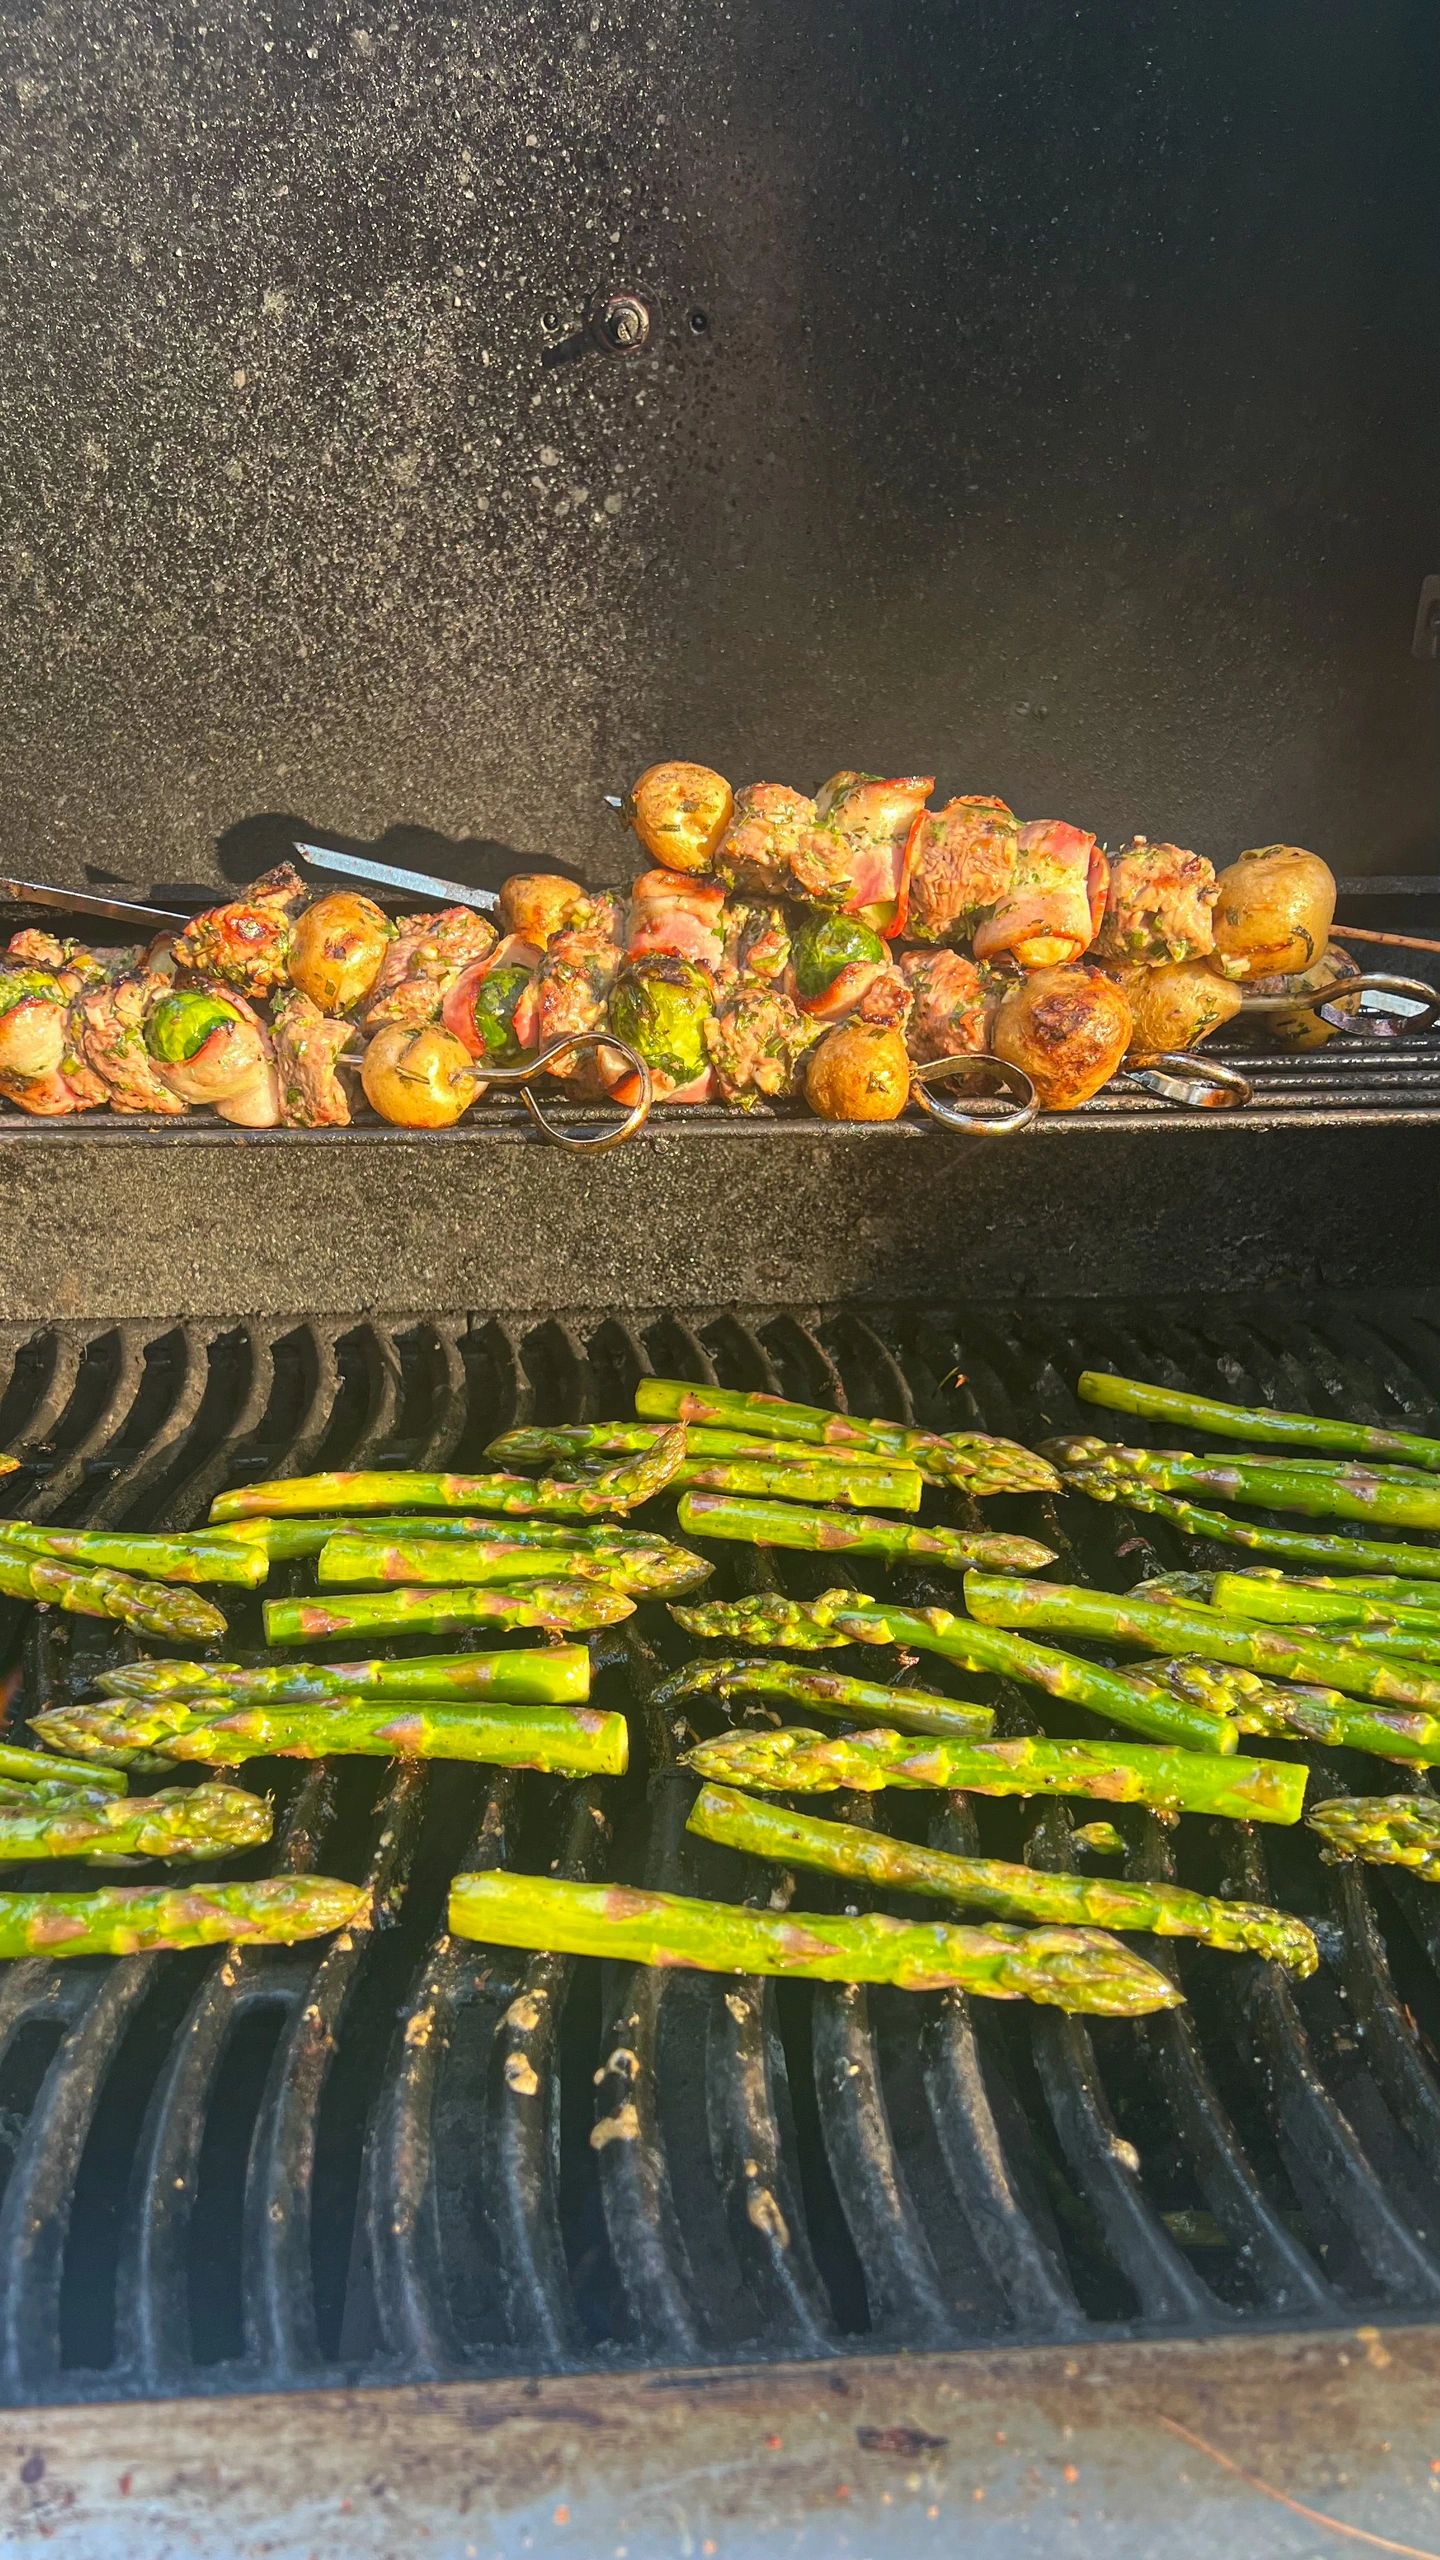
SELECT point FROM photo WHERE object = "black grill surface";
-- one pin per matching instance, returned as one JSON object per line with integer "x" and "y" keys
{"x": 392, "y": 2156}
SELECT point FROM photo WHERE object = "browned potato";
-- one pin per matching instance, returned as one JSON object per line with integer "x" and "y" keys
{"x": 859, "y": 1072}
{"x": 1177, "y": 1005}
{"x": 419, "y": 1079}
{"x": 536, "y": 904}
{"x": 1274, "y": 912}
{"x": 680, "y": 812}
{"x": 1303, "y": 1028}
{"x": 336, "y": 950}
{"x": 1068, "y": 1028}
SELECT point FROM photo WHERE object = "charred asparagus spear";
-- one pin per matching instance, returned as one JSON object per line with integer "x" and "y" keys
{"x": 422, "y": 1612}
{"x": 788, "y": 1524}
{"x": 1308, "y": 1604}
{"x": 796, "y": 1761}
{"x": 974, "y": 1459}
{"x": 580, "y": 1443}
{"x": 155, "y": 1608}
{"x": 1310, "y": 1715}
{"x": 1165, "y": 1626}
{"x": 1065, "y": 1968}
{"x": 621, "y": 1488}
{"x": 1254, "y": 1422}
{"x": 1297, "y": 1546}
{"x": 550, "y": 1675}
{"x": 194, "y": 1559}
{"x": 808, "y": 1475}
{"x": 127, "y": 1920}
{"x": 1339, "y": 1492}
{"x": 659, "y": 1567}
{"x": 827, "y": 1693}
{"x": 181, "y": 1822}
{"x": 1387, "y": 1831}
{"x": 839, "y": 1617}
{"x": 308, "y": 1533}
{"x": 1006, "y": 1891}
{"x": 209, "y": 1730}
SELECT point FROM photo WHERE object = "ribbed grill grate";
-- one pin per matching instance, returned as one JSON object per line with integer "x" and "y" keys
{"x": 390, "y": 2156}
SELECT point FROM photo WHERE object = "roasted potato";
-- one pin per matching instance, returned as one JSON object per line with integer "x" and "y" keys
{"x": 419, "y": 1079}
{"x": 1274, "y": 911}
{"x": 537, "y": 904}
{"x": 859, "y": 1072}
{"x": 680, "y": 812}
{"x": 1176, "y": 1006}
{"x": 337, "y": 948}
{"x": 1069, "y": 1028}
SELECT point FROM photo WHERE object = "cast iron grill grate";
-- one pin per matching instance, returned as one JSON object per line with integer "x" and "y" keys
{"x": 391, "y": 2157}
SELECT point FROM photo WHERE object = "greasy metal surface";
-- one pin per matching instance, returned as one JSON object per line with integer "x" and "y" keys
{"x": 1278, "y": 2448}
{"x": 393, "y": 2158}
{"x": 1042, "y": 397}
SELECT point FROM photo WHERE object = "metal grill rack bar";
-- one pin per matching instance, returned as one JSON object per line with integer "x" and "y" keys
{"x": 397, "y": 2157}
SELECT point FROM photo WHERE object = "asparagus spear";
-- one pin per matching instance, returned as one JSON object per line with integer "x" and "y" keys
{"x": 1340, "y": 1492}
{"x": 1065, "y": 1968}
{"x": 829, "y": 1693}
{"x": 838, "y": 1616}
{"x": 42, "y": 1768}
{"x": 659, "y": 1567}
{"x": 157, "y": 1609}
{"x": 580, "y": 1442}
{"x": 127, "y": 1920}
{"x": 563, "y": 1739}
{"x": 181, "y": 1822}
{"x": 974, "y": 1459}
{"x": 786, "y": 1524}
{"x": 1300, "y": 1546}
{"x": 1379, "y": 1586}
{"x": 1254, "y": 1422}
{"x": 1388, "y": 1831}
{"x": 1310, "y": 1715}
{"x": 1307, "y": 1604}
{"x": 620, "y": 1488}
{"x": 193, "y": 1559}
{"x": 552, "y": 1675}
{"x": 1006, "y": 1891}
{"x": 796, "y": 1761}
{"x": 307, "y": 1533}
{"x": 422, "y": 1612}
{"x": 1168, "y": 1625}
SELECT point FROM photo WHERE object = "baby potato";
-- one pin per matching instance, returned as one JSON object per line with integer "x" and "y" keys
{"x": 419, "y": 1079}
{"x": 680, "y": 812}
{"x": 858, "y": 1072}
{"x": 336, "y": 950}
{"x": 1069, "y": 1028}
{"x": 1274, "y": 911}
{"x": 537, "y": 904}
{"x": 1176, "y": 1005}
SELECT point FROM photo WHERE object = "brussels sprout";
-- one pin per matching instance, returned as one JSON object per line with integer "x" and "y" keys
{"x": 826, "y": 944}
{"x": 181, "y": 1024}
{"x": 493, "y": 1011}
{"x": 661, "y": 1006}
{"x": 17, "y": 984}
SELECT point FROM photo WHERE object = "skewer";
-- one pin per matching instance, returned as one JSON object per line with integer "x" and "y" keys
{"x": 1398, "y": 941}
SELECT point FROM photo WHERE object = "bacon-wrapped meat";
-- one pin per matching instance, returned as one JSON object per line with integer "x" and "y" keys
{"x": 110, "y": 1021}
{"x": 1053, "y": 907}
{"x": 758, "y": 847}
{"x": 210, "y": 1047}
{"x": 492, "y": 1007}
{"x": 674, "y": 914}
{"x": 1068, "y": 1028}
{"x": 68, "y": 1087}
{"x": 1159, "y": 905}
{"x": 244, "y": 943}
{"x": 952, "y": 1005}
{"x": 426, "y": 956}
{"x": 962, "y": 864}
{"x": 755, "y": 1043}
{"x": 855, "y": 855}
{"x": 573, "y": 987}
{"x": 308, "y": 1047}
{"x": 660, "y": 1005}
{"x": 34, "y": 1026}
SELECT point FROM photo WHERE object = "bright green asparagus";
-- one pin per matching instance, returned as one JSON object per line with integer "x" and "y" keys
{"x": 127, "y": 1920}
{"x": 1254, "y": 1422}
{"x": 1377, "y": 1586}
{"x": 827, "y": 1693}
{"x": 162, "y": 1559}
{"x": 309, "y": 1532}
{"x": 1298, "y": 1546}
{"x": 1341, "y": 1492}
{"x": 155, "y": 1608}
{"x": 209, "y": 1730}
{"x": 181, "y": 1822}
{"x": 620, "y": 1488}
{"x": 796, "y": 1761}
{"x": 423, "y": 1612}
{"x": 1006, "y": 1891}
{"x": 1309, "y": 1604}
{"x": 580, "y": 1443}
{"x": 530, "y": 1675}
{"x": 1311, "y": 1715}
{"x": 41, "y": 1767}
{"x": 788, "y": 1524}
{"x": 1387, "y": 1831}
{"x": 974, "y": 1459}
{"x": 1164, "y": 1626}
{"x": 356, "y": 1558}
{"x": 1065, "y": 1968}
{"x": 769, "y": 1618}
